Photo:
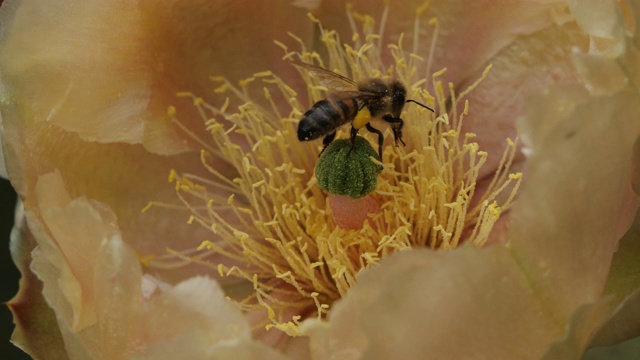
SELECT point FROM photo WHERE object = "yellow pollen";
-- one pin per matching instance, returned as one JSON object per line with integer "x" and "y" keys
{"x": 362, "y": 118}
{"x": 266, "y": 214}
{"x": 205, "y": 245}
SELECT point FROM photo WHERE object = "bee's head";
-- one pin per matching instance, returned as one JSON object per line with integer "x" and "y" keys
{"x": 398, "y": 97}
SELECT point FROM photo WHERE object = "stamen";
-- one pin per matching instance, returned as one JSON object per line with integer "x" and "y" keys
{"x": 272, "y": 222}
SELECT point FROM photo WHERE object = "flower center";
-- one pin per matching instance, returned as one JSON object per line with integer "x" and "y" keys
{"x": 271, "y": 222}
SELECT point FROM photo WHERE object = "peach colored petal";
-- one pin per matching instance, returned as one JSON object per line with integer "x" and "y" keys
{"x": 187, "y": 349}
{"x": 117, "y": 291}
{"x": 65, "y": 56}
{"x": 505, "y": 302}
{"x": 103, "y": 76}
{"x": 588, "y": 204}
{"x": 76, "y": 244}
{"x": 197, "y": 322}
{"x": 526, "y": 66}
{"x": 604, "y": 21}
{"x": 36, "y": 330}
{"x": 66, "y": 258}
{"x": 438, "y": 305}
{"x": 111, "y": 317}
{"x": 194, "y": 313}
{"x": 108, "y": 71}
{"x": 125, "y": 177}
{"x": 545, "y": 111}
{"x": 471, "y": 33}
{"x": 298, "y": 348}
{"x": 590, "y": 216}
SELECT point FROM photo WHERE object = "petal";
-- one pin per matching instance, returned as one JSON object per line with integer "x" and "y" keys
{"x": 116, "y": 289}
{"x": 589, "y": 208}
{"x": 67, "y": 72}
{"x": 109, "y": 71}
{"x": 125, "y": 177}
{"x": 506, "y": 302}
{"x": 438, "y": 305}
{"x": 100, "y": 307}
{"x": 604, "y": 21}
{"x": 206, "y": 326}
{"x": 624, "y": 284}
{"x": 471, "y": 33}
{"x": 188, "y": 347}
{"x": 66, "y": 254}
{"x": 587, "y": 205}
{"x": 108, "y": 141}
{"x": 36, "y": 330}
{"x": 201, "y": 304}
{"x": 527, "y": 66}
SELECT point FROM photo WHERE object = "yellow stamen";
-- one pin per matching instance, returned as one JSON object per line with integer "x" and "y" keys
{"x": 273, "y": 221}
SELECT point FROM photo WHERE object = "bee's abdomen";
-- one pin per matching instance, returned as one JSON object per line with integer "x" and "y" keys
{"x": 324, "y": 117}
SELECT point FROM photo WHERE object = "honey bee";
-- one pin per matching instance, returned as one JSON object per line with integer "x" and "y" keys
{"x": 353, "y": 102}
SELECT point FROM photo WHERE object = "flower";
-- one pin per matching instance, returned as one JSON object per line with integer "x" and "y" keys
{"x": 516, "y": 299}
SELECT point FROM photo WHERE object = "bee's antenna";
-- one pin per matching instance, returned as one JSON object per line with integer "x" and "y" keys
{"x": 421, "y": 104}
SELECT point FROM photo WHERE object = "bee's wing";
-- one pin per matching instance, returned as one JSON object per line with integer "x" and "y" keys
{"x": 350, "y": 94}
{"x": 327, "y": 78}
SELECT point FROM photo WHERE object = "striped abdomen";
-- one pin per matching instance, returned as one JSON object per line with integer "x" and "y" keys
{"x": 326, "y": 116}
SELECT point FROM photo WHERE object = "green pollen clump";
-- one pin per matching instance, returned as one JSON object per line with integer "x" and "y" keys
{"x": 342, "y": 170}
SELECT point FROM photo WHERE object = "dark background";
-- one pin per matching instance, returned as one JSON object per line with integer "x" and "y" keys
{"x": 9, "y": 274}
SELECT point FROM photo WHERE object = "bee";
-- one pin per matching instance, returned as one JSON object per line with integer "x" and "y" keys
{"x": 353, "y": 102}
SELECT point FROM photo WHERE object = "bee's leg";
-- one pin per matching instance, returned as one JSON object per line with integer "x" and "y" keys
{"x": 327, "y": 140}
{"x": 396, "y": 126}
{"x": 380, "y": 138}
{"x": 354, "y": 133}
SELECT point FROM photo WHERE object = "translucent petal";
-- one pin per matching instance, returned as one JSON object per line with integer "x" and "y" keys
{"x": 103, "y": 76}
{"x": 109, "y": 71}
{"x": 36, "y": 330}
{"x": 94, "y": 287}
{"x": 449, "y": 305}
{"x": 513, "y": 301}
